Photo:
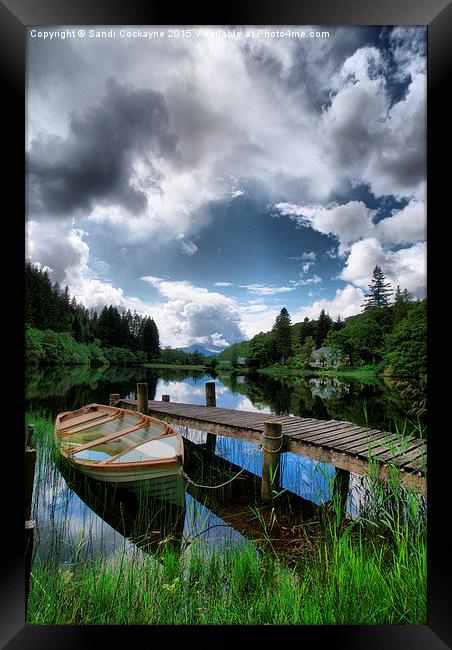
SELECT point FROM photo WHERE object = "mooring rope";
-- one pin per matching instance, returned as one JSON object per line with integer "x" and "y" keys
{"x": 274, "y": 451}
{"x": 214, "y": 487}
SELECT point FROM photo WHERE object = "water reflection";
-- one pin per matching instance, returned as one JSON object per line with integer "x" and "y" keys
{"x": 368, "y": 401}
{"x": 72, "y": 527}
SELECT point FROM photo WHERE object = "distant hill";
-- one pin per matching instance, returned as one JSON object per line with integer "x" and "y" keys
{"x": 210, "y": 351}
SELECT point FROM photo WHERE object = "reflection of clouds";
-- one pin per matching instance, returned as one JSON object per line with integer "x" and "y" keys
{"x": 195, "y": 393}
{"x": 180, "y": 392}
{"x": 246, "y": 405}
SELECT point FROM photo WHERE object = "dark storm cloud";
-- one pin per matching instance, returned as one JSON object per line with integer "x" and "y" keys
{"x": 53, "y": 64}
{"x": 93, "y": 163}
{"x": 312, "y": 63}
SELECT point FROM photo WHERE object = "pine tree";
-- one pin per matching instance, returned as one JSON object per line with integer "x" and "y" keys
{"x": 324, "y": 325}
{"x": 282, "y": 335}
{"x": 149, "y": 339}
{"x": 379, "y": 291}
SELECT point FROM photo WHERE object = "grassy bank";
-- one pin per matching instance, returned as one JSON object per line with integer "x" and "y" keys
{"x": 371, "y": 570}
{"x": 351, "y": 583}
{"x": 284, "y": 371}
{"x": 176, "y": 366}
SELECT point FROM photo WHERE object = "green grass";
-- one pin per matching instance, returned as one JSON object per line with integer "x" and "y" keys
{"x": 176, "y": 366}
{"x": 352, "y": 582}
{"x": 371, "y": 570}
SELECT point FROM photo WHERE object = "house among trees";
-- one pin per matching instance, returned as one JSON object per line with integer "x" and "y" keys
{"x": 323, "y": 357}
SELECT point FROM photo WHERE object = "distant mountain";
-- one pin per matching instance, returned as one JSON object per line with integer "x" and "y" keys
{"x": 210, "y": 351}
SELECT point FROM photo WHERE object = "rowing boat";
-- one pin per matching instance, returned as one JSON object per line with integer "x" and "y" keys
{"x": 124, "y": 447}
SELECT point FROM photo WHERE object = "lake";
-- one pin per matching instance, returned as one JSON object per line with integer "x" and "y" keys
{"x": 64, "y": 512}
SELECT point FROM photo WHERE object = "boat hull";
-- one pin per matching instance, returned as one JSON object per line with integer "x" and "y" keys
{"x": 164, "y": 483}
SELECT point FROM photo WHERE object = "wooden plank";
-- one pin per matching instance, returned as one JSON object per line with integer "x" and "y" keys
{"x": 397, "y": 450}
{"x": 346, "y": 436}
{"x": 86, "y": 417}
{"x": 329, "y": 441}
{"x": 369, "y": 447}
{"x": 401, "y": 453}
{"x": 329, "y": 431}
{"x": 334, "y": 433}
{"x": 373, "y": 437}
{"x": 417, "y": 465}
{"x": 315, "y": 427}
{"x": 417, "y": 454}
{"x": 308, "y": 426}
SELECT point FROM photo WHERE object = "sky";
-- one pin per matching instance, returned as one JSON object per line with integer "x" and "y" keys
{"x": 208, "y": 180}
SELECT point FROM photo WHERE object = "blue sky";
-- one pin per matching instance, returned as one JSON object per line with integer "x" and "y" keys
{"x": 210, "y": 181}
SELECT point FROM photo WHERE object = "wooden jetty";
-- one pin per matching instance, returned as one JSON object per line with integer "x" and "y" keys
{"x": 346, "y": 446}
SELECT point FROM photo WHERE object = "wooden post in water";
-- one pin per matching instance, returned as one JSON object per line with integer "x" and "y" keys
{"x": 114, "y": 397}
{"x": 211, "y": 400}
{"x": 29, "y": 435}
{"x": 29, "y": 539}
{"x": 142, "y": 397}
{"x": 30, "y": 463}
{"x": 340, "y": 489}
{"x": 271, "y": 453}
{"x": 166, "y": 398}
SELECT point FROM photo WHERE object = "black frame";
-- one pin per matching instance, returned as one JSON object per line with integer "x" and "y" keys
{"x": 16, "y": 16}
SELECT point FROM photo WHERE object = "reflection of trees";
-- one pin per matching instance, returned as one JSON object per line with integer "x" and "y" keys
{"x": 54, "y": 390}
{"x": 366, "y": 403}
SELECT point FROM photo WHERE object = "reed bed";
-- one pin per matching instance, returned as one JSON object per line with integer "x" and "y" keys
{"x": 367, "y": 570}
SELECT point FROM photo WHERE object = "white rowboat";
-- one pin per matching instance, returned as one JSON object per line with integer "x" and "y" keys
{"x": 123, "y": 447}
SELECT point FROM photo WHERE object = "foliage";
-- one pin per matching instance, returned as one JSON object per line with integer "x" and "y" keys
{"x": 362, "y": 337}
{"x": 406, "y": 346}
{"x": 55, "y": 348}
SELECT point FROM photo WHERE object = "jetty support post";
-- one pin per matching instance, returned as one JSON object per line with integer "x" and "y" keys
{"x": 30, "y": 463}
{"x": 114, "y": 398}
{"x": 29, "y": 540}
{"x": 340, "y": 490}
{"x": 211, "y": 400}
{"x": 166, "y": 398}
{"x": 142, "y": 397}
{"x": 271, "y": 457}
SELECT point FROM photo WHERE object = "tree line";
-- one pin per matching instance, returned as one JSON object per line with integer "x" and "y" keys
{"x": 50, "y": 308}
{"x": 388, "y": 336}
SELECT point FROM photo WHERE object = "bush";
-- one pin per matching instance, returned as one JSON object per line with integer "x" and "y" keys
{"x": 34, "y": 347}
{"x": 54, "y": 348}
{"x": 97, "y": 354}
{"x": 120, "y": 356}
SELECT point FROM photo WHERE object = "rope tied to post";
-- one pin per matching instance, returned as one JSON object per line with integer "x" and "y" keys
{"x": 215, "y": 487}
{"x": 273, "y": 451}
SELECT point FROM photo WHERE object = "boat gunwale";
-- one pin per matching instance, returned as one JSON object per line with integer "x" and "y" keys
{"x": 144, "y": 420}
